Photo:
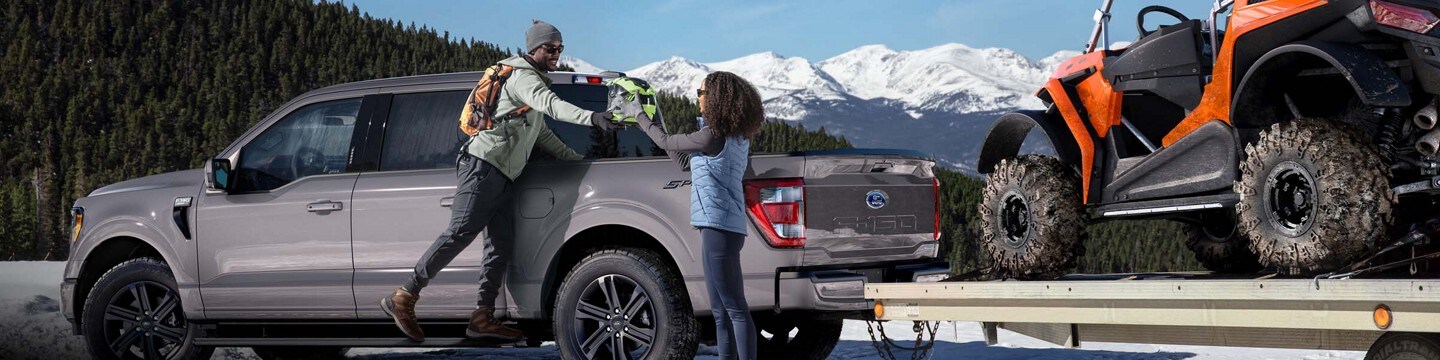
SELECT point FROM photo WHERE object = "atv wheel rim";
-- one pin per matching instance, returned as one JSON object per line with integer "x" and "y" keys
{"x": 1015, "y": 219}
{"x": 614, "y": 319}
{"x": 144, "y": 321}
{"x": 1290, "y": 198}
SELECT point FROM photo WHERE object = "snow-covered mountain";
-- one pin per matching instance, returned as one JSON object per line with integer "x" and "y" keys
{"x": 579, "y": 65}
{"x": 940, "y": 99}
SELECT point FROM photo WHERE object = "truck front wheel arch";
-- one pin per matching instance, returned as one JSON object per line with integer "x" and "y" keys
{"x": 105, "y": 256}
{"x": 1009, "y": 132}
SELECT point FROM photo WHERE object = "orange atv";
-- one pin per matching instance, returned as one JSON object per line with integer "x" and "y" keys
{"x": 1292, "y": 139}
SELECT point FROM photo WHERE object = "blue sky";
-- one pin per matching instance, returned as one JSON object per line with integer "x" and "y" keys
{"x": 622, "y": 35}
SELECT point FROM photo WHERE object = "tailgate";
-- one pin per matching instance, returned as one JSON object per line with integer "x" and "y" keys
{"x": 869, "y": 205}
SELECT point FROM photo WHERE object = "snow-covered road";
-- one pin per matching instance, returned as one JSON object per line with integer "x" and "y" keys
{"x": 31, "y": 327}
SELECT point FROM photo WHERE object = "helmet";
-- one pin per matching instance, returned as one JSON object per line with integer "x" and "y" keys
{"x": 628, "y": 92}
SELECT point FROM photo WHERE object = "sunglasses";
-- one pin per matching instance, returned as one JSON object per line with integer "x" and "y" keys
{"x": 699, "y": 92}
{"x": 553, "y": 49}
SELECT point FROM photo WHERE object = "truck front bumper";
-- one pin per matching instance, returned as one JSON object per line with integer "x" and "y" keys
{"x": 67, "y": 304}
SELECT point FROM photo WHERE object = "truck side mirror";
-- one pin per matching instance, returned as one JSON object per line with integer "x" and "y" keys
{"x": 220, "y": 174}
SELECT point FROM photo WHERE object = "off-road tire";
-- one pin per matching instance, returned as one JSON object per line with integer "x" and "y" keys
{"x": 673, "y": 321}
{"x": 815, "y": 339}
{"x": 1050, "y": 212}
{"x": 154, "y": 274}
{"x": 1404, "y": 346}
{"x": 1349, "y": 202}
{"x": 300, "y": 352}
{"x": 1219, "y": 246}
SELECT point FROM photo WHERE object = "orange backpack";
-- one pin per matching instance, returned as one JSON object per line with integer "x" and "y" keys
{"x": 479, "y": 112}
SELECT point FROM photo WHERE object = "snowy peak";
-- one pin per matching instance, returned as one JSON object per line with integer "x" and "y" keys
{"x": 579, "y": 65}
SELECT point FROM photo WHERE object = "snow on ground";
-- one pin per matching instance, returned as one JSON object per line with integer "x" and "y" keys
{"x": 31, "y": 327}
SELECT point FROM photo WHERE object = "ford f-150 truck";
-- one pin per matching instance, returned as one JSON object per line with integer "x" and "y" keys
{"x": 284, "y": 239}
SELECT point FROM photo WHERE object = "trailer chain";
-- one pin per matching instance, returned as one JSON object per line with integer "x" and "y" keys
{"x": 921, "y": 349}
{"x": 1420, "y": 234}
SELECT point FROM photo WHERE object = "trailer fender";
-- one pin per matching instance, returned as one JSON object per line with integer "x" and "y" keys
{"x": 1009, "y": 132}
{"x": 1372, "y": 81}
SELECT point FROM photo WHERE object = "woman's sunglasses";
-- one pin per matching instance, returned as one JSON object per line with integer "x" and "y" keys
{"x": 699, "y": 92}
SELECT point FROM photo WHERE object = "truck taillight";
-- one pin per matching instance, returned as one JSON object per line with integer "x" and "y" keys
{"x": 778, "y": 207}
{"x": 936, "y": 182}
{"x": 1403, "y": 17}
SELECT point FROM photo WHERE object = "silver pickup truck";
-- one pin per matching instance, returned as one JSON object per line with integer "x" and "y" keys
{"x": 282, "y": 240}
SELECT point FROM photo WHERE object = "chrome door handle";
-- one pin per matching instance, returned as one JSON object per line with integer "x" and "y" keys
{"x": 447, "y": 201}
{"x": 323, "y": 205}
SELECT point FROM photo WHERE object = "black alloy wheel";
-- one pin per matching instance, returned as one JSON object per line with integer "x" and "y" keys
{"x": 145, "y": 322}
{"x": 614, "y": 319}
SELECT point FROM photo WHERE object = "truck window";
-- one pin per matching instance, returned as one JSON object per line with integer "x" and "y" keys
{"x": 311, "y": 140}
{"x": 590, "y": 141}
{"x": 423, "y": 131}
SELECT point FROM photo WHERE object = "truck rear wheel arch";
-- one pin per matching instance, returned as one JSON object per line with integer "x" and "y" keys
{"x": 105, "y": 256}
{"x": 1009, "y": 132}
{"x": 589, "y": 241}
{"x": 1259, "y": 100}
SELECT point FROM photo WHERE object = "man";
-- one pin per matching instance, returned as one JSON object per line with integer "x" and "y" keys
{"x": 492, "y": 159}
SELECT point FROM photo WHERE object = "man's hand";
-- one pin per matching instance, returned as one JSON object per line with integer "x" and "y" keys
{"x": 601, "y": 120}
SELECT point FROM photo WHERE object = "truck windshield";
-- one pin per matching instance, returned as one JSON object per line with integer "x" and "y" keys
{"x": 590, "y": 141}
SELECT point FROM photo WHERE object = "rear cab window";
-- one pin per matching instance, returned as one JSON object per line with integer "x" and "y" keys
{"x": 630, "y": 142}
{"x": 422, "y": 130}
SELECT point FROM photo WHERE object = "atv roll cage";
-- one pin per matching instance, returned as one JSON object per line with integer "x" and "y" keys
{"x": 1101, "y": 32}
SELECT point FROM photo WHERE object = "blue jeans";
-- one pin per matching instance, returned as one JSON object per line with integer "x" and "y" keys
{"x": 735, "y": 334}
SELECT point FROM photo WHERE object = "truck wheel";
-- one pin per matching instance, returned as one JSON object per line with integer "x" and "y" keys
{"x": 813, "y": 339}
{"x": 625, "y": 301}
{"x": 300, "y": 352}
{"x": 1403, "y": 346}
{"x": 1031, "y": 217}
{"x": 1218, "y": 244}
{"x": 134, "y": 312}
{"x": 1314, "y": 195}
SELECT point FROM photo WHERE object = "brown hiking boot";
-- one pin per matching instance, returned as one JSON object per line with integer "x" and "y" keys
{"x": 401, "y": 307}
{"x": 484, "y": 326}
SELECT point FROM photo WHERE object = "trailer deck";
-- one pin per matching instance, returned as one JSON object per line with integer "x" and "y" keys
{"x": 1177, "y": 308}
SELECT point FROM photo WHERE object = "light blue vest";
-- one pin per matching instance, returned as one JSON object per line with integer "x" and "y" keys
{"x": 717, "y": 196}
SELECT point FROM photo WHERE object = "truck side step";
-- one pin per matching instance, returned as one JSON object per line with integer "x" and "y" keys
{"x": 352, "y": 333}
{"x": 353, "y": 342}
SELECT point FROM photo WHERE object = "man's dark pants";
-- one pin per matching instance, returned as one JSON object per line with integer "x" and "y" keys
{"x": 482, "y": 198}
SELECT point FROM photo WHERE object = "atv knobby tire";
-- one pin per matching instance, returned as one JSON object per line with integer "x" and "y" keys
{"x": 1218, "y": 244}
{"x": 1032, "y": 221}
{"x": 1314, "y": 195}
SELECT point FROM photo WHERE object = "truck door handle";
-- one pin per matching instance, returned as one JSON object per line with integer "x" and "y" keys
{"x": 447, "y": 201}
{"x": 323, "y": 205}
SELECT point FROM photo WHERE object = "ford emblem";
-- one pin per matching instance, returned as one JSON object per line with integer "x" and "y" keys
{"x": 876, "y": 199}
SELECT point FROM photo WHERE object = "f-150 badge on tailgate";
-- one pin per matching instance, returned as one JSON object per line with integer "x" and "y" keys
{"x": 876, "y": 199}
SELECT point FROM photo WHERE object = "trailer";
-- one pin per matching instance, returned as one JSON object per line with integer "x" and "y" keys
{"x": 1390, "y": 319}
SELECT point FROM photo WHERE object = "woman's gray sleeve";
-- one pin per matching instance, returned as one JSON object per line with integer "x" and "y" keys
{"x": 680, "y": 146}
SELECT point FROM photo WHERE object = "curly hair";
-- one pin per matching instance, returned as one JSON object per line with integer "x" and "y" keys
{"x": 732, "y": 105}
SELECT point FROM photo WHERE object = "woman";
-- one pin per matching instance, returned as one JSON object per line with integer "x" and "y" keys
{"x": 717, "y": 156}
